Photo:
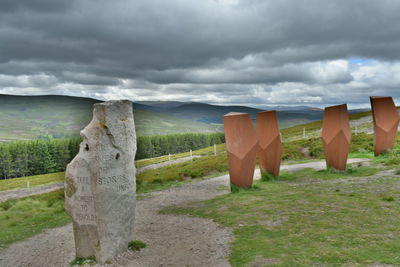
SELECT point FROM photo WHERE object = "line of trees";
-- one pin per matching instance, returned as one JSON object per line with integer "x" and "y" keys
{"x": 158, "y": 145}
{"x": 25, "y": 158}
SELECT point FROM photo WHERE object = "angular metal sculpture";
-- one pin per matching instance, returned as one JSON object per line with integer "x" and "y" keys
{"x": 242, "y": 146}
{"x": 269, "y": 142}
{"x": 386, "y": 121}
{"x": 336, "y": 136}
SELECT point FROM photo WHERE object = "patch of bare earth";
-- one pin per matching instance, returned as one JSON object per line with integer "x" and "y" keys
{"x": 171, "y": 240}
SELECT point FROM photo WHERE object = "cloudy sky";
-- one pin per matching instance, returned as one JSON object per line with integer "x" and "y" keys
{"x": 246, "y": 52}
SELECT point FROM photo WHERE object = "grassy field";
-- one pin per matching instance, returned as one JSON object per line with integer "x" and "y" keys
{"x": 310, "y": 218}
{"x": 36, "y": 180}
{"x": 313, "y": 129}
{"x": 177, "y": 174}
{"x": 221, "y": 148}
{"x": 26, "y": 217}
{"x": 28, "y": 117}
{"x": 322, "y": 218}
{"x": 211, "y": 165}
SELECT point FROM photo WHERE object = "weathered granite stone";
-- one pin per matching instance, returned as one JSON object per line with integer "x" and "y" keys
{"x": 100, "y": 183}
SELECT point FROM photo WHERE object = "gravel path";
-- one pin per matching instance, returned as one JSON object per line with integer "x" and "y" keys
{"x": 37, "y": 190}
{"x": 26, "y": 192}
{"x": 165, "y": 163}
{"x": 172, "y": 240}
{"x": 316, "y": 165}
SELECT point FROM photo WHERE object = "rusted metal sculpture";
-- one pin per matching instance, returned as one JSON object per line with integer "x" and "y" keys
{"x": 269, "y": 142}
{"x": 336, "y": 136}
{"x": 242, "y": 146}
{"x": 386, "y": 121}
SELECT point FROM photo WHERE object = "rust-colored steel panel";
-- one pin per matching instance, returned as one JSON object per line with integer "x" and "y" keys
{"x": 241, "y": 145}
{"x": 269, "y": 142}
{"x": 336, "y": 136}
{"x": 386, "y": 121}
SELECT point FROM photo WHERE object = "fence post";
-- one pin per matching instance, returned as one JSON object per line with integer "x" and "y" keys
{"x": 215, "y": 149}
{"x": 356, "y": 130}
{"x": 27, "y": 184}
{"x": 169, "y": 157}
{"x": 304, "y": 133}
{"x": 191, "y": 154}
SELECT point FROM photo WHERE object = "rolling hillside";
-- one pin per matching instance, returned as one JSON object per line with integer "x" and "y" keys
{"x": 201, "y": 112}
{"x": 30, "y": 117}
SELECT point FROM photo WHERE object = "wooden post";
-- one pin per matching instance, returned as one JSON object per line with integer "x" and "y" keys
{"x": 356, "y": 129}
{"x": 215, "y": 149}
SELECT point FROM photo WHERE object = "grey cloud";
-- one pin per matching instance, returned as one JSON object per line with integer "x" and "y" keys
{"x": 214, "y": 52}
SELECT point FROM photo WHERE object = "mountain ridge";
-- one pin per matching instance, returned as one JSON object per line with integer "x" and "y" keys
{"x": 57, "y": 116}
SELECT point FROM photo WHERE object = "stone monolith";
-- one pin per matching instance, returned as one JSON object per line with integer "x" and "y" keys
{"x": 336, "y": 136}
{"x": 386, "y": 121}
{"x": 242, "y": 146}
{"x": 269, "y": 142}
{"x": 100, "y": 183}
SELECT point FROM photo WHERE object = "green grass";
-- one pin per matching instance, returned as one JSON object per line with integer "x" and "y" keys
{"x": 221, "y": 148}
{"x": 28, "y": 117}
{"x": 151, "y": 180}
{"x": 81, "y": 261}
{"x": 362, "y": 155}
{"x": 326, "y": 174}
{"x": 313, "y": 128}
{"x": 209, "y": 166}
{"x": 177, "y": 174}
{"x": 309, "y": 224}
{"x": 136, "y": 245}
{"x": 36, "y": 180}
{"x": 26, "y": 217}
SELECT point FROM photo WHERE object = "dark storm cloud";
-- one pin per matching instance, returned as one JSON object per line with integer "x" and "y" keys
{"x": 199, "y": 49}
{"x": 40, "y": 6}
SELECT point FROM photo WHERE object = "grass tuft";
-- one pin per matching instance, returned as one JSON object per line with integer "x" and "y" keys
{"x": 81, "y": 261}
{"x": 136, "y": 245}
{"x": 266, "y": 176}
{"x": 388, "y": 198}
{"x": 236, "y": 189}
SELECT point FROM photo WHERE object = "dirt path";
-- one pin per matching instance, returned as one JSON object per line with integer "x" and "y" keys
{"x": 165, "y": 163}
{"x": 37, "y": 190}
{"x": 26, "y": 192}
{"x": 171, "y": 240}
{"x": 316, "y": 165}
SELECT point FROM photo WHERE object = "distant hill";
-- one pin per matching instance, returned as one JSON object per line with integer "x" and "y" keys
{"x": 31, "y": 117}
{"x": 214, "y": 114}
{"x": 161, "y": 105}
{"x": 208, "y": 113}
